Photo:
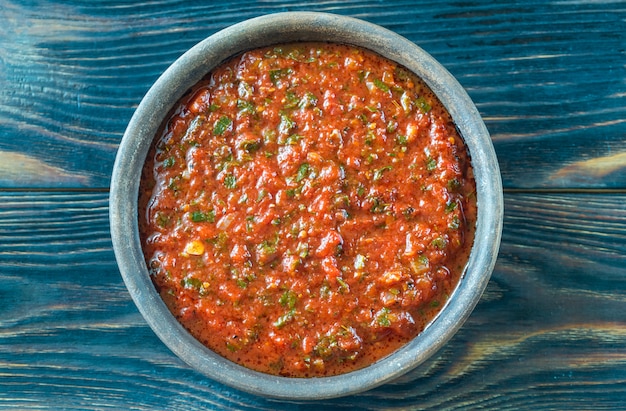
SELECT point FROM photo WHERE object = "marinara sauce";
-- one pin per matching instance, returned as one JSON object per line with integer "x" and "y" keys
{"x": 307, "y": 209}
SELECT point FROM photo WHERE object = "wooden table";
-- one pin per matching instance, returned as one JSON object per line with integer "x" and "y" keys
{"x": 550, "y": 82}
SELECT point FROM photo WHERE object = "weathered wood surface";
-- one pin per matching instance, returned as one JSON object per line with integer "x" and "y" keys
{"x": 549, "y": 331}
{"x": 549, "y": 79}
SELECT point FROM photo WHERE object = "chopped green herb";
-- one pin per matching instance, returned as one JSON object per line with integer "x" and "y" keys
{"x": 309, "y": 100}
{"x": 378, "y": 173}
{"x": 420, "y": 264}
{"x": 303, "y": 250}
{"x": 277, "y": 74}
{"x": 431, "y": 163}
{"x": 169, "y": 162}
{"x": 451, "y": 206}
{"x": 292, "y": 139}
{"x": 360, "y": 190}
{"x": 203, "y": 217}
{"x": 162, "y": 219}
{"x": 286, "y": 123}
{"x": 232, "y": 347}
{"x": 292, "y": 100}
{"x": 221, "y": 125}
{"x": 343, "y": 285}
{"x": 285, "y": 318}
{"x": 383, "y": 317}
{"x": 288, "y": 299}
{"x": 423, "y": 104}
{"x": 382, "y": 86}
{"x": 378, "y": 206}
{"x": 402, "y": 140}
{"x": 251, "y": 145}
{"x": 230, "y": 181}
{"x": 453, "y": 184}
{"x": 303, "y": 172}
{"x": 439, "y": 243}
{"x": 455, "y": 223}
{"x": 250, "y": 222}
{"x": 191, "y": 282}
{"x": 245, "y": 106}
{"x": 325, "y": 291}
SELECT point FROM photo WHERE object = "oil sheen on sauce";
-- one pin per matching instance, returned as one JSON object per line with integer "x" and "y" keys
{"x": 307, "y": 209}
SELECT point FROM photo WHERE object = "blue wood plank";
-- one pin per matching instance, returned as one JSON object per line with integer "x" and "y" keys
{"x": 549, "y": 331}
{"x": 547, "y": 77}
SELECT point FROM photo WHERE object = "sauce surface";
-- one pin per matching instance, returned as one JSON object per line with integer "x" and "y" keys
{"x": 307, "y": 209}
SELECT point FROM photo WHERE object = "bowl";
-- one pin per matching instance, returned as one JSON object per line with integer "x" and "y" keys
{"x": 286, "y": 28}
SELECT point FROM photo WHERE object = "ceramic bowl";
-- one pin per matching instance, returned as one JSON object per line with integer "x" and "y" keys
{"x": 285, "y": 28}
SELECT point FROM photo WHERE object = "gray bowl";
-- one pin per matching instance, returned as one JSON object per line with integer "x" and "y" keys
{"x": 188, "y": 70}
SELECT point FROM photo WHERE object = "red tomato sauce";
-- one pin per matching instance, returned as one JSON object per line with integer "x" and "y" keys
{"x": 307, "y": 209}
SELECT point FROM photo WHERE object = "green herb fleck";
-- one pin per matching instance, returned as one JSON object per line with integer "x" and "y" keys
{"x": 245, "y": 106}
{"x": 383, "y": 317}
{"x": 303, "y": 250}
{"x": 284, "y": 319}
{"x": 360, "y": 190}
{"x": 286, "y": 123}
{"x": 203, "y": 217}
{"x": 455, "y": 223}
{"x": 292, "y": 139}
{"x": 309, "y": 100}
{"x": 423, "y": 104}
{"x": 420, "y": 265}
{"x": 402, "y": 140}
{"x": 292, "y": 100}
{"x": 221, "y": 125}
{"x": 453, "y": 184}
{"x": 343, "y": 285}
{"x": 439, "y": 243}
{"x": 378, "y": 173}
{"x": 169, "y": 162}
{"x": 378, "y": 206}
{"x": 382, "y": 86}
{"x": 431, "y": 163}
{"x": 162, "y": 219}
{"x": 230, "y": 181}
{"x": 278, "y": 74}
{"x": 192, "y": 283}
{"x": 288, "y": 299}
{"x": 451, "y": 206}
{"x": 303, "y": 172}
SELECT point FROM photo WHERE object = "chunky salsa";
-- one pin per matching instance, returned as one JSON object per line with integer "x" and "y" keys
{"x": 307, "y": 209}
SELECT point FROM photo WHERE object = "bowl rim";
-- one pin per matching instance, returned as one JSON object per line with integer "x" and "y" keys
{"x": 280, "y": 28}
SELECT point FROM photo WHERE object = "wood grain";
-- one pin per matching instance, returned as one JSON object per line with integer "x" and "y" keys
{"x": 548, "y": 78}
{"x": 548, "y": 333}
